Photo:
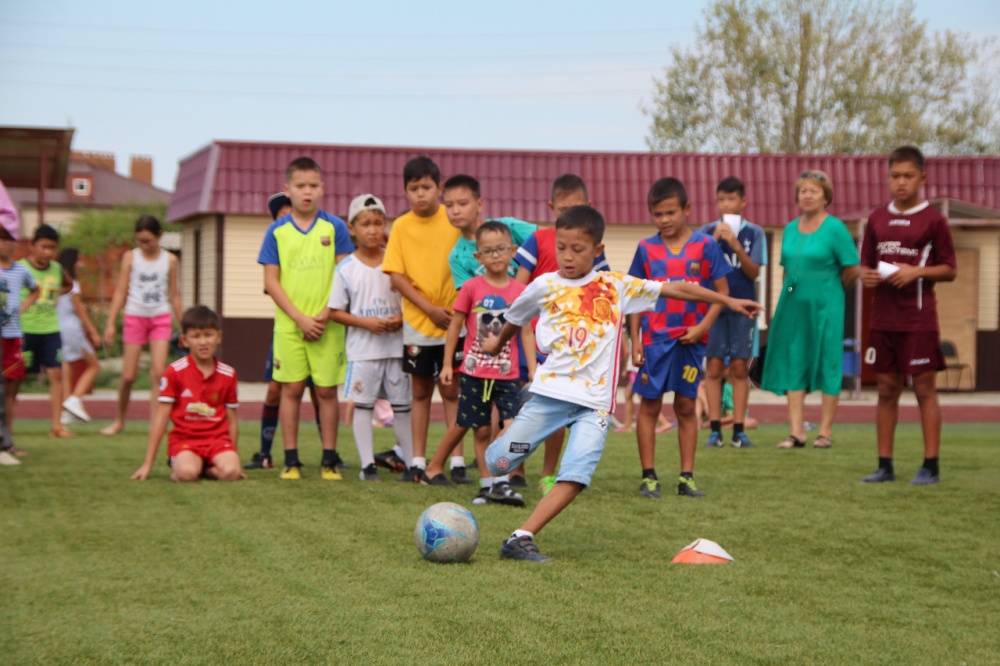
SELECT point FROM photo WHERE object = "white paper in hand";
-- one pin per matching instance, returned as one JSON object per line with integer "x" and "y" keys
{"x": 886, "y": 269}
{"x": 734, "y": 222}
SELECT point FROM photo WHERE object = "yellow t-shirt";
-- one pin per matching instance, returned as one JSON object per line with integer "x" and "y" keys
{"x": 418, "y": 248}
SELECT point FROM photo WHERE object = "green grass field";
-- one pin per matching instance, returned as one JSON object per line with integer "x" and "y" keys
{"x": 99, "y": 569}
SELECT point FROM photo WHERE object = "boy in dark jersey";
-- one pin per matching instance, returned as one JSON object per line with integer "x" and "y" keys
{"x": 907, "y": 247}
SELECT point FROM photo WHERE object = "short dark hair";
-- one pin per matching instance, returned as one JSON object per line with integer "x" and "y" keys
{"x": 462, "y": 180}
{"x": 45, "y": 232}
{"x": 200, "y": 316}
{"x": 421, "y": 166}
{"x": 666, "y": 188}
{"x": 301, "y": 164}
{"x": 495, "y": 227}
{"x": 567, "y": 184}
{"x": 907, "y": 154}
{"x": 67, "y": 259}
{"x": 150, "y": 224}
{"x": 730, "y": 185}
{"x": 587, "y": 218}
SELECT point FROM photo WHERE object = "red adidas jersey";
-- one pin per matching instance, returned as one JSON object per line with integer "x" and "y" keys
{"x": 200, "y": 402}
{"x": 919, "y": 237}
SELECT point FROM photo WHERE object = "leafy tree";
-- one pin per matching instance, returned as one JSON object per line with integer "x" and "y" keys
{"x": 825, "y": 76}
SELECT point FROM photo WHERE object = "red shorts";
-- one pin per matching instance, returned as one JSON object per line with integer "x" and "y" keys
{"x": 11, "y": 359}
{"x": 206, "y": 449}
{"x": 905, "y": 352}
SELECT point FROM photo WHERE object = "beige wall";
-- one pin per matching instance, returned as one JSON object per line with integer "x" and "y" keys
{"x": 620, "y": 241}
{"x": 187, "y": 265}
{"x": 60, "y": 218}
{"x": 987, "y": 242}
{"x": 242, "y": 276}
{"x": 198, "y": 288}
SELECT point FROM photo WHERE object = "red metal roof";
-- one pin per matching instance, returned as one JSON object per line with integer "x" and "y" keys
{"x": 232, "y": 177}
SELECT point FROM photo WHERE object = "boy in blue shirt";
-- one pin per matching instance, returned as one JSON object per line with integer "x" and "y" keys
{"x": 732, "y": 336}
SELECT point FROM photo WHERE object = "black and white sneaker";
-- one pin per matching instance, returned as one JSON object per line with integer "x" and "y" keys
{"x": 518, "y": 481}
{"x": 369, "y": 473}
{"x": 414, "y": 475}
{"x": 460, "y": 476}
{"x": 502, "y": 493}
{"x": 259, "y": 461}
{"x": 480, "y": 497}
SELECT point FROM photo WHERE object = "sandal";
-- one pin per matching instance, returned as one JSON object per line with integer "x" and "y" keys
{"x": 791, "y": 442}
{"x": 61, "y": 433}
{"x": 823, "y": 442}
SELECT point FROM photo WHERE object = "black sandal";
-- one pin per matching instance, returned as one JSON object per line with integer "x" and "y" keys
{"x": 791, "y": 442}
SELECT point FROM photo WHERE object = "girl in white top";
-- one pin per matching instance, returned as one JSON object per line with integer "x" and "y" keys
{"x": 148, "y": 290}
{"x": 79, "y": 337}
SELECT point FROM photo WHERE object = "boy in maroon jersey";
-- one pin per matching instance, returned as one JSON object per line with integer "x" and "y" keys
{"x": 197, "y": 393}
{"x": 906, "y": 248}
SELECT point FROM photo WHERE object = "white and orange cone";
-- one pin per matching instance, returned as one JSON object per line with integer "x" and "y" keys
{"x": 703, "y": 551}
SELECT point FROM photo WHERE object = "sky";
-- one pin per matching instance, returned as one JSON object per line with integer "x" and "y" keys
{"x": 166, "y": 78}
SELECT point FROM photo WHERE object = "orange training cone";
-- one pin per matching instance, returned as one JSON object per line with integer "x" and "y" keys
{"x": 703, "y": 551}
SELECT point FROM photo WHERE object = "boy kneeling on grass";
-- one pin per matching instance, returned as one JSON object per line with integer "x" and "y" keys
{"x": 198, "y": 394}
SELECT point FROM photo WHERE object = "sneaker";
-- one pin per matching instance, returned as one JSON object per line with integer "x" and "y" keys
{"x": 474, "y": 464}
{"x": 442, "y": 480}
{"x": 518, "y": 481}
{"x": 459, "y": 476}
{"x": 74, "y": 406}
{"x": 741, "y": 441}
{"x": 879, "y": 476}
{"x": 330, "y": 473}
{"x": 414, "y": 475}
{"x": 259, "y": 461}
{"x": 338, "y": 462}
{"x": 390, "y": 461}
{"x": 7, "y": 459}
{"x": 502, "y": 493}
{"x": 546, "y": 483}
{"x": 925, "y": 477}
{"x": 369, "y": 473}
{"x": 291, "y": 473}
{"x": 714, "y": 440}
{"x": 686, "y": 486}
{"x": 68, "y": 419}
{"x": 521, "y": 548}
{"x": 480, "y": 497}
{"x": 650, "y": 488}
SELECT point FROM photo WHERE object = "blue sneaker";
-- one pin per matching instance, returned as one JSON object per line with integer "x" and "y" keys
{"x": 925, "y": 477}
{"x": 522, "y": 548}
{"x": 741, "y": 441}
{"x": 715, "y": 440}
{"x": 879, "y": 476}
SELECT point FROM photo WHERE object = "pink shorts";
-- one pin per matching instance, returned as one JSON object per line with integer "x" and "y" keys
{"x": 140, "y": 330}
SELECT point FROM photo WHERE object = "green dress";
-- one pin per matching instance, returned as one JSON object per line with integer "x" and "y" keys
{"x": 805, "y": 346}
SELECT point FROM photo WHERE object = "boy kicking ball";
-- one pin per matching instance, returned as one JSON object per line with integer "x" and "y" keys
{"x": 580, "y": 320}
{"x": 198, "y": 394}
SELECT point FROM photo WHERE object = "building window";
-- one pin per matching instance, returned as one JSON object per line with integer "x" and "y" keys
{"x": 80, "y": 187}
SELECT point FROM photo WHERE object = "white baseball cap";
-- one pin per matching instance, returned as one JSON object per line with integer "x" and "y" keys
{"x": 364, "y": 202}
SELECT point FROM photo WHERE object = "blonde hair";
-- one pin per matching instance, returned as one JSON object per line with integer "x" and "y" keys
{"x": 821, "y": 179}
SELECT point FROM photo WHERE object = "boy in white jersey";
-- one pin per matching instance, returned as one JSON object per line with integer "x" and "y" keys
{"x": 581, "y": 314}
{"x": 363, "y": 300}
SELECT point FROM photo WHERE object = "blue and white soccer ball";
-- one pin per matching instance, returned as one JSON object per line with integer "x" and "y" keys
{"x": 446, "y": 532}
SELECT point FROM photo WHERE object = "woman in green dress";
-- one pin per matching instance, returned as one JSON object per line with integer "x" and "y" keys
{"x": 805, "y": 345}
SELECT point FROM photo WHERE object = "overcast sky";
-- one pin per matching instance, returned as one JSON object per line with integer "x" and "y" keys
{"x": 166, "y": 78}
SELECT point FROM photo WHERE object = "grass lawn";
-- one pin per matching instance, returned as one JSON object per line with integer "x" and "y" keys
{"x": 100, "y": 569}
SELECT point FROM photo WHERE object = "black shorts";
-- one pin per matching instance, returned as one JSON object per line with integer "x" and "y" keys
{"x": 477, "y": 397}
{"x": 42, "y": 350}
{"x": 428, "y": 361}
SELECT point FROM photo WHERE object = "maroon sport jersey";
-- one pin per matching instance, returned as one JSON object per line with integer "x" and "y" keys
{"x": 199, "y": 402}
{"x": 919, "y": 237}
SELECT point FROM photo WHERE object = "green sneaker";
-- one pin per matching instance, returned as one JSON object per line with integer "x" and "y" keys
{"x": 546, "y": 483}
{"x": 686, "y": 486}
{"x": 650, "y": 488}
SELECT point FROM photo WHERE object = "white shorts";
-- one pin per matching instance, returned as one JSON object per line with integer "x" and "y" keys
{"x": 74, "y": 343}
{"x": 367, "y": 381}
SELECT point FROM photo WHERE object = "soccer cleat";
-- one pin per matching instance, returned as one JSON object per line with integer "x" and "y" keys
{"x": 7, "y": 459}
{"x": 369, "y": 473}
{"x": 336, "y": 461}
{"x": 414, "y": 475}
{"x": 390, "y": 461}
{"x": 546, "y": 483}
{"x": 741, "y": 441}
{"x": 330, "y": 473}
{"x": 650, "y": 488}
{"x": 502, "y": 493}
{"x": 879, "y": 476}
{"x": 459, "y": 476}
{"x": 480, "y": 497}
{"x": 441, "y": 480}
{"x": 518, "y": 481}
{"x": 292, "y": 473}
{"x": 259, "y": 461}
{"x": 925, "y": 477}
{"x": 686, "y": 486}
{"x": 714, "y": 440}
{"x": 522, "y": 548}
{"x": 74, "y": 406}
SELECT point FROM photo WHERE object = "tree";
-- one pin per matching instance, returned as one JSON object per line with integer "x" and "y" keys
{"x": 825, "y": 76}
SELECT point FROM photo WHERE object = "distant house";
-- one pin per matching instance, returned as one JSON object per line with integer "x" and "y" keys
{"x": 222, "y": 188}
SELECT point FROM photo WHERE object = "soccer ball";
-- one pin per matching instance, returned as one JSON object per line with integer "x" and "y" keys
{"x": 446, "y": 532}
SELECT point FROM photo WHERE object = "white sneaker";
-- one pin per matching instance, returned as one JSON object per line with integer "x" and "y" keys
{"x": 7, "y": 459}
{"x": 74, "y": 406}
{"x": 68, "y": 419}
